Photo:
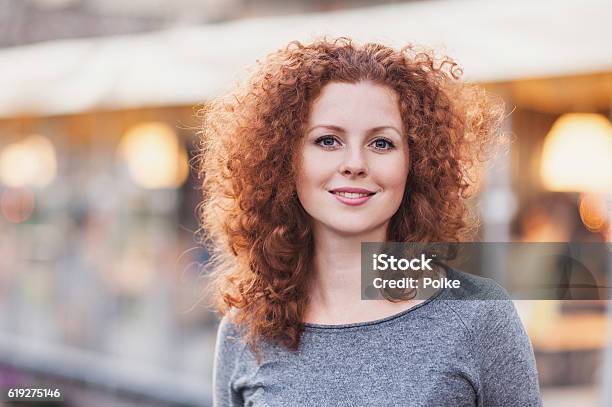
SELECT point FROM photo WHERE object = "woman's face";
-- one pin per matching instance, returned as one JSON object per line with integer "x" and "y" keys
{"x": 354, "y": 160}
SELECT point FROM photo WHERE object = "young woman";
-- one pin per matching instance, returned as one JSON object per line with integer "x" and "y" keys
{"x": 329, "y": 145}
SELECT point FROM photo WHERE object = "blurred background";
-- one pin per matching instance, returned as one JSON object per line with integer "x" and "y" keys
{"x": 100, "y": 269}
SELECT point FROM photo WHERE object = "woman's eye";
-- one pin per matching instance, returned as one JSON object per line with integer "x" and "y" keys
{"x": 326, "y": 141}
{"x": 382, "y": 144}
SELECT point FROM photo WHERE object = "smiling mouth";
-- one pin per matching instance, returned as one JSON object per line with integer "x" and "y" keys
{"x": 351, "y": 195}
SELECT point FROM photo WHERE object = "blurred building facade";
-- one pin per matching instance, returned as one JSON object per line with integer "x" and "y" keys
{"x": 30, "y": 21}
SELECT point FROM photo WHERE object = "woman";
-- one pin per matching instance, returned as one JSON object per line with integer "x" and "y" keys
{"x": 329, "y": 145}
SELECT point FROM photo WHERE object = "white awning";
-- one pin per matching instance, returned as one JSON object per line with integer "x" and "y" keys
{"x": 492, "y": 40}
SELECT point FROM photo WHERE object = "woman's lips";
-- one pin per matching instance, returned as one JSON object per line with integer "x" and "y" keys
{"x": 352, "y": 198}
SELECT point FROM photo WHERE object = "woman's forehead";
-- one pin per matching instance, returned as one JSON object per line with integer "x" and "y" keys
{"x": 355, "y": 104}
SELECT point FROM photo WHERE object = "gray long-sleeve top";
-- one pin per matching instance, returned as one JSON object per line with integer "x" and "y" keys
{"x": 451, "y": 350}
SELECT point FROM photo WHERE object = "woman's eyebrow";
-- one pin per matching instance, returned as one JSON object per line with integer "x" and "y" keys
{"x": 380, "y": 128}
{"x": 342, "y": 130}
{"x": 328, "y": 127}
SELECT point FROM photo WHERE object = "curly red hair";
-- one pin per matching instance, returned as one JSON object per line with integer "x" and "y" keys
{"x": 257, "y": 231}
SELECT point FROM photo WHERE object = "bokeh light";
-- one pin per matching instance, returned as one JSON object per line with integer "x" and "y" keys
{"x": 593, "y": 212}
{"x": 17, "y": 204}
{"x": 155, "y": 157}
{"x": 29, "y": 162}
{"x": 576, "y": 154}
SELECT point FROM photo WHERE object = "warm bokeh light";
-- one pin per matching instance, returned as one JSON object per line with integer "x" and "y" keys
{"x": 155, "y": 156}
{"x": 30, "y": 162}
{"x": 577, "y": 154}
{"x": 593, "y": 212}
{"x": 17, "y": 205}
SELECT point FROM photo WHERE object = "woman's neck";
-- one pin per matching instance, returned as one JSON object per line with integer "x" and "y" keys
{"x": 335, "y": 289}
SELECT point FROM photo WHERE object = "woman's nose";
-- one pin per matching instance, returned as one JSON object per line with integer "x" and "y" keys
{"x": 354, "y": 164}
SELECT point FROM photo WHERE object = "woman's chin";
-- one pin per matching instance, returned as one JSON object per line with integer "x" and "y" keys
{"x": 365, "y": 230}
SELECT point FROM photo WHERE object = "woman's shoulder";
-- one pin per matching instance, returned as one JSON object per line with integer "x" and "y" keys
{"x": 229, "y": 337}
{"x": 481, "y": 304}
{"x": 499, "y": 342}
{"x": 227, "y": 326}
{"x": 473, "y": 287}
